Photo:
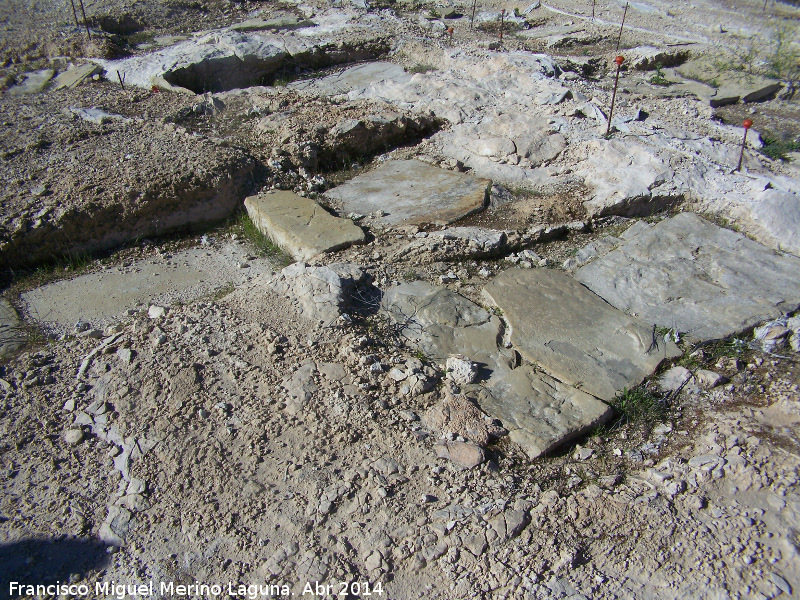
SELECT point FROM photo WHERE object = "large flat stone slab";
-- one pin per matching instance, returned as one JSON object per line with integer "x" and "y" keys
{"x": 103, "y": 297}
{"x": 299, "y": 225}
{"x": 75, "y": 75}
{"x": 360, "y": 76}
{"x": 573, "y": 334}
{"x": 540, "y": 412}
{"x": 691, "y": 275}
{"x": 34, "y": 82}
{"x": 12, "y": 335}
{"x": 411, "y": 192}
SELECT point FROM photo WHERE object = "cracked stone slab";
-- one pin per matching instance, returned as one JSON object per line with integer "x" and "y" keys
{"x": 688, "y": 274}
{"x": 573, "y": 334}
{"x": 539, "y": 412}
{"x": 299, "y": 225}
{"x": 411, "y": 192}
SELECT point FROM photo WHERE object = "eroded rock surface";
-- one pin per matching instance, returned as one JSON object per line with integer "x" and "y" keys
{"x": 690, "y": 275}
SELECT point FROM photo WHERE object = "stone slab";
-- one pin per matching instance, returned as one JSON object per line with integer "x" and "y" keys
{"x": 573, "y": 334}
{"x": 358, "y": 77}
{"x": 103, "y": 297}
{"x": 34, "y": 82}
{"x": 539, "y": 412}
{"x": 299, "y": 225}
{"x": 412, "y": 192}
{"x": 12, "y": 335}
{"x": 75, "y": 75}
{"x": 688, "y": 274}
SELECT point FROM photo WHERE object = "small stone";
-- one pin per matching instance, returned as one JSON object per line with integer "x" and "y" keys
{"x": 69, "y": 405}
{"x": 465, "y": 454}
{"x": 73, "y": 436}
{"x": 373, "y": 561}
{"x": 782, "y": 584}
{"x": 584, "y": 454}
{"x": 709, "y": 379}
{"x": 125, "y": 355}
{"x": 461, "y": 370}
{"x": 694, "y": 502}
{"x": 156, "y": 312}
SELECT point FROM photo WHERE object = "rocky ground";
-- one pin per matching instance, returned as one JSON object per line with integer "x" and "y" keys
{"x": 441, "y": 411}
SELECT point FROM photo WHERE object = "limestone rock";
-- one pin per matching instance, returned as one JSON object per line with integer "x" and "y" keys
{"x": 672, "y": 379}
{"x": 217, "y": 61}
{"x": 299, "y": 225}
{"x": 647, "y": 58}
{"x": 627, "y": 178}
{"x": 34, "y": 82}
{"x": 539, "y": 412}
{"x": 358, "y": 76}
{"x": 75, "y": 75}
{"x": 572, "y": 333}
{"x": 300, "y": 387}
{"x": 458, "y": 415}
{"x": 320, "y": 293}
{"x": 411, "y": 192}
{"x": 693, "y": 276}
{"x": 461, "y": 370}
{"x": 466, "y": 454}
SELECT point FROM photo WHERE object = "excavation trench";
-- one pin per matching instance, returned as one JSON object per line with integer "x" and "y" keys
{"x": 228, "y": 72}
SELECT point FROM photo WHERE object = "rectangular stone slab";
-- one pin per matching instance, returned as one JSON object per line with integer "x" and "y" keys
{"x": 412, "y": 192}
{"x": 539, "y": 412}
{"x": 299, "y": 225}
{"x": 573, "y": 334}
{"x": 691, "y": 275}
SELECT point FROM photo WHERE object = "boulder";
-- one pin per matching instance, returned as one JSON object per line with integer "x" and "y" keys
{"x": 320, "y": 293}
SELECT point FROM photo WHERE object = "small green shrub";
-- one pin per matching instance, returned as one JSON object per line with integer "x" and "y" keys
{"x": 420, "y": 68}
{"x": 659, "y": 78}
{"x": 778, "y": 149}
{"x": 639, "y": 406}
{"x": 263, "y": 244}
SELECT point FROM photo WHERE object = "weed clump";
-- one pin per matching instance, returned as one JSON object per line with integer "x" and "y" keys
{"x": 245, "y": 228}
{"x": 639, "y": 406}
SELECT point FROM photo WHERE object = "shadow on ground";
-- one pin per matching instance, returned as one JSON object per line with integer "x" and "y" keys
{"x": 45, "y": 562}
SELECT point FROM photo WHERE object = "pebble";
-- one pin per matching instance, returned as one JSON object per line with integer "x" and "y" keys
{"x": 73, "y": 436}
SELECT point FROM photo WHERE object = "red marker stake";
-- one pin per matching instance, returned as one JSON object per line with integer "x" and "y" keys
{"x": 747, "y": 125}
{"x": 502, "y": 18}
{"x": 619, "y": 60}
